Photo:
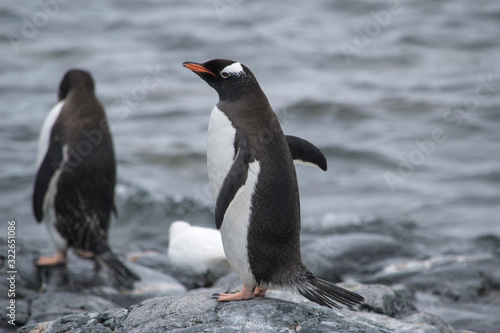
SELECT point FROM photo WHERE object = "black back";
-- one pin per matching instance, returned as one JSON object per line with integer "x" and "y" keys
{"x": 85, "y": 195}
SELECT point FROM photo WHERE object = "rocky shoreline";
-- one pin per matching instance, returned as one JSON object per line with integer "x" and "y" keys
{"x": 197, "y": 312}
{"x": 412, "y": 280}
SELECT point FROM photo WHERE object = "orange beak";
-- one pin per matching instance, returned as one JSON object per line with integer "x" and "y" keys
{"x": 197, "y": 68}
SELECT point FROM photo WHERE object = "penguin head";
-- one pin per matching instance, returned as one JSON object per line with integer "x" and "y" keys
{"x": 75, "y": 78}
{"x": 229, "y": 78}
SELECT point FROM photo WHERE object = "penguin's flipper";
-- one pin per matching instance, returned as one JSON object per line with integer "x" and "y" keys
{"x": 47, "y": 170}
{"x": 305, "y": 152}
{"x": 235, "y": 179}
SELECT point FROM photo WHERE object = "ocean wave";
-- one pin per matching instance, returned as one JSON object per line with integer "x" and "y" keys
{"x": 135, "y": 200}
{"x": 360, "y": 156}
{"x": 313, "y": 108}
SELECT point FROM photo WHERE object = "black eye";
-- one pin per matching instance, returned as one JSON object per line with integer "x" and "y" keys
{"x": 225, "y": 75}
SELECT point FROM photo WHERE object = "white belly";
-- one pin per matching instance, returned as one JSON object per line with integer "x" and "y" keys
{"x": 234, "y": 229}
{"x": 49, "y": 209}
{"x": 49, "y": 197}
{"x": 220, "y": 149}
{"x": 50, "y": 220}
{"x": 44, "y": 139}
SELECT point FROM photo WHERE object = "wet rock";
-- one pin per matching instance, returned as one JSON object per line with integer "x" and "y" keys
{"x": 152, "y": 284}
{"x": 474, "y": 316}
{"x": 409, "y": 286}
{"x": 429, "y": 319}
{"x": 200, "y": 313}
{"x": 21, "y": 312}
{"x": 161, "y": 262}
{"x": 452, "y": 277}
{"x": 26, "y": 277}
{"x": 232, "y": 279}
{"x": 489, "y": 243}
{"x": 54, "y": 305}
{"x": 461, "y": 289}
{"x": 382, "y": 299}
{"x": 112, "y": 319}
{"x": 152, "y": 259}
{"x": 155, "y": 283}
{"x": 463, "y": 278}
{"x": 332, "y": 257}
{"x": 76, "y": 275}
{"x": 53, "y": 278}
{"x": 197, "y": 312}
{"x": 392, "y": 325}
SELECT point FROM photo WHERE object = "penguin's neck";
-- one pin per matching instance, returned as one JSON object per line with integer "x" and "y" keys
{"x": 84, "y": 104}
{"x": 248, "y": 109}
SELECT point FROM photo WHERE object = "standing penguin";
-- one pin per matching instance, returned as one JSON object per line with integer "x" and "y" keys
{"x": 75, "y": 182}
{"x": 254, "y": 184}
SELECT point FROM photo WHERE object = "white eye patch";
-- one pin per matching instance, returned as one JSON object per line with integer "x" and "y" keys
{"x": 233, "y": 69}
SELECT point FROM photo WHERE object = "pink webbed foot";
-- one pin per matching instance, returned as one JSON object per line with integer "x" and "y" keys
{"x": 84, "y": 254}
{"x": 259, "y": 292}
{"x": 245, "y": 293}
{"x": 56, "y": 259}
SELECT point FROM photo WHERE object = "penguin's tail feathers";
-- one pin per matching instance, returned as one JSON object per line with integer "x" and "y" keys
{"x": 328, "y": 294}
{"x": 120, "y": 273}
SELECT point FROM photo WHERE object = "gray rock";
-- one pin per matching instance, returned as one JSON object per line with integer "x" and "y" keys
{"x": 382, "y": 299}
{"x": 452, "y": 277}
{"x": 54, "y": 305}
{"x": 152, "y": 259}
{"x": 161, "y": 262}
{"x": 474, "y": 316}
{"x": 332, "y": 257}
{"x": 429, "y": 319}
{"x": 461, "y": 289}
{"x": 393, "y": 325}
{"x": 21, "y": 312}
{"x": 26, "y": 277}
{"x": 232, "y": 280}
{"x": 113, "y": 318}
{"x": 200, "y": 313}
{"x": 155, "y": 283}
{"x": 152, "y": 284}
{"x": 456, "y": 281}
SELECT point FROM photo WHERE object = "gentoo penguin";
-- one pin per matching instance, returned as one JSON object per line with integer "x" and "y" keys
{"x": 197, "y": 252}
{"x": 75, "y": 182}
{"x": 254, "y": 184}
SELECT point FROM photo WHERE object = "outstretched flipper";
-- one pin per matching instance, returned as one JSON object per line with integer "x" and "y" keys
{"x": 235, "y": 179}
{"x": 305, "y": 152}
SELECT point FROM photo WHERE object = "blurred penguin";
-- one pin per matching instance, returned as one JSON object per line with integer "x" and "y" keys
{"x": 75, "y": 182}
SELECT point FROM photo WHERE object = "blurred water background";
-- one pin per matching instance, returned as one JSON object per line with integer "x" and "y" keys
{"x": 402, "y": 97}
